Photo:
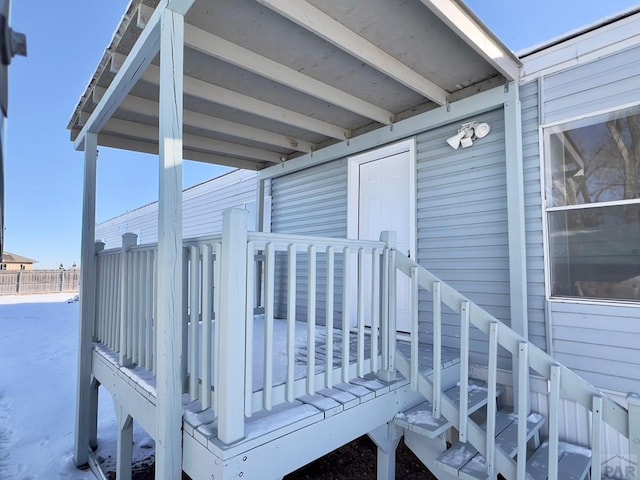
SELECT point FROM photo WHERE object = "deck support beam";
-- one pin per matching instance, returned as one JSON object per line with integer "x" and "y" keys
{"x": 84, "y": 397}
{"x": 516, "y": 219}
{"x": 169, "y": 294}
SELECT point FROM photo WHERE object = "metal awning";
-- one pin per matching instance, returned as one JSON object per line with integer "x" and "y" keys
{"x": 269, "y": 80}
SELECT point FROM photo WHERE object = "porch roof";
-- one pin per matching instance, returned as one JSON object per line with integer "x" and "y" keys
{"x": 269, "y": 80}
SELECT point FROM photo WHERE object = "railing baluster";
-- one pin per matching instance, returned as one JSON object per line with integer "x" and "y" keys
{"x": 346, "y": 312}
{"x": 464, "y": 371}
{"x": 415, "y": 367}
{"x": 148, "y": 312}
{"x": 207, "y": 292}
{"x": 375, "y": 308}
{"x": 523, "y": 413}
{"x": 491, "y": 395}
{"x": 437, "y": 349}
{"x": 130, "y": 302}
{"x": 185, "y": 319}
{"x": 361, "y": 319}
{"x": 249, "y": 319}
{"x": 268, "y": 323}
{"x": 291, "y": 320}
{"x": 329, "y": 318}
{"x": 596, "y": 437}
{"x": 311, "y": 321}
{"x": 155, "y": 310}
{"x": 392, "y": 320}
{"x": 554, "y": 421}
{"x": 194, "y": 323}
{"x": 141, "y": 305}
{"x": 384, "y": 311}
{"x": 217, "y": 272}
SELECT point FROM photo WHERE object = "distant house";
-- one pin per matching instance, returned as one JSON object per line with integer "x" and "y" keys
{"x": 11, "y": 261}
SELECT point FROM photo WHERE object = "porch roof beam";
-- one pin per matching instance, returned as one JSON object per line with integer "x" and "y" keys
{"x": 234, "y": 54}
{"x": 213, "y": 124}
{"x": 239, "y": 101}
{"x": 113, "y": 141}
{"x": 465, "y": 24}
{"x": 143, "y": 52}
{"x": 149, "y": 132}
{"x": 316, "y": 21}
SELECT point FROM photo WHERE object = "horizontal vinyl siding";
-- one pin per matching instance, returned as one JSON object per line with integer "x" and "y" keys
{"x": 202, "y": 207}
{"x": 462, "y": 225}
{"x": 606, "y": 83}
{"x": 533, "y": 214}
{"x": 310, "y": 202}
{"x": 599, "y": 342}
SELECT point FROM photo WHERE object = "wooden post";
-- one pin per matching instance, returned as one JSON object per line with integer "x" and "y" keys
{"x": 128, "y": 241}
{"x": 61, "y": 281}
{"x": 87, "y": 304}
{"x": 169, "y": 263}
{"x": 124, "y": 445}
{"x": 19, "y": 289}
{"x": 516, "y": 222}
{"x": 233, "y": 268}
{"x": 388, "y": 305}
{"x": 633, "y": 402}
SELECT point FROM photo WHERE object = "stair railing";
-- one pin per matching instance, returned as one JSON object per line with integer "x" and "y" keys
{"x": 563, "y": 383}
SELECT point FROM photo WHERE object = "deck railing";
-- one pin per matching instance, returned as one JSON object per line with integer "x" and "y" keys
{"x": 563, "y": 383}
{"x": 334, "y": 287}
{"x": 327, "y": 295}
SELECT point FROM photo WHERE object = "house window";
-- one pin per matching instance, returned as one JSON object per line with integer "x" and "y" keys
{"x": 592, "y": 204}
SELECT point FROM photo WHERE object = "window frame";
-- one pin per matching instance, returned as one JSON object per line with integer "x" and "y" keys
{"x": 545, "y": 210}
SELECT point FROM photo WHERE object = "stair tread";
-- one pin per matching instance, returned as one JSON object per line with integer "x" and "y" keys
{"x": 477, "y": 395}
{"x": 573, "y": 462}
{"x": 420, "y": 419}
{"x": 461, "y": 457}
{"x": 507, "y": 438}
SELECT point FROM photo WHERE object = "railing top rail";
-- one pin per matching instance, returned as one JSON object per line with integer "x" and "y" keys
{"x": 574, "y": 387}
{"x": 153, "y": 246}
{"x": 283, "y": 240}
{"x": 110, "y": 251}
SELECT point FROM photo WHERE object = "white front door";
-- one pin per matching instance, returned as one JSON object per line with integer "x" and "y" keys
{"x": 386, "y": 201}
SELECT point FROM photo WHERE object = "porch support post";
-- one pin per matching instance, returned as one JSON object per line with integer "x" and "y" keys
{"x": 87, "y": 304}
{"x": 124, "y": 444}
{"x": 516, "y": 218}
{"x": 231, "y": 326}
{"x": 169, "y": 272}
{"x": 386, "y": 438}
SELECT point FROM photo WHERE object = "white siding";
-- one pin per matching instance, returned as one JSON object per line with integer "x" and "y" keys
{"x": 607, "y": 83}
{"x": 310, "y": 202}
{"x": 202, "y": 207}
{"x": 599, "y": 342}
{"x": 462, "y": 224}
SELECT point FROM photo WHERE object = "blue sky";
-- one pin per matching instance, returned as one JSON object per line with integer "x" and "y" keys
{"x": 66, "y": 40}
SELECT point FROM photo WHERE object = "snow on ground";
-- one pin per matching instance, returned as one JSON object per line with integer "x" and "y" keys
{"x": 38, "y": 368}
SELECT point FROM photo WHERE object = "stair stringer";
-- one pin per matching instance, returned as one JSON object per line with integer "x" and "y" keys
{"x": 475, "y": 434}
{"x": 427, "y": 450}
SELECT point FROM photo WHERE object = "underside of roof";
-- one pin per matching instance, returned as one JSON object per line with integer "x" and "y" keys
{"x": 269, "y": 80}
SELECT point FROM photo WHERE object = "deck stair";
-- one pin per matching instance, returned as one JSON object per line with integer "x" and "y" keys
{"x": 462, "y": 459}
{"x": 492, "y": 441}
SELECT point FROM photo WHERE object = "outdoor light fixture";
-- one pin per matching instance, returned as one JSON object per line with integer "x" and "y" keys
{"x": 467, "y": 133}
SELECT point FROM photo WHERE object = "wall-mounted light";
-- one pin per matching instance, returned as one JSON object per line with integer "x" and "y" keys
{"x": 467, "y": 133}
